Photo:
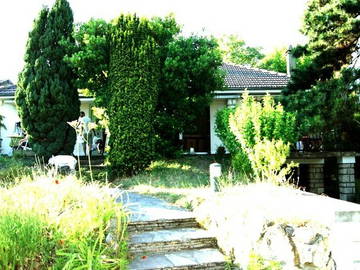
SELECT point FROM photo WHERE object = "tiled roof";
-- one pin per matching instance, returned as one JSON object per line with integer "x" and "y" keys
{"x": 236, "y": 77}
{"x": 7, "y": 88}
{"x": 241, "y": 77}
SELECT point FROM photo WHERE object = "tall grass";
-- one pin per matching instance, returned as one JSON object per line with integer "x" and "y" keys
{"x": 24, "y": 241}
{"x": 60, "y": 222}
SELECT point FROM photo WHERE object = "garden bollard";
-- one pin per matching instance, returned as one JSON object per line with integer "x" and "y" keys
{"x": 215, "y": 172}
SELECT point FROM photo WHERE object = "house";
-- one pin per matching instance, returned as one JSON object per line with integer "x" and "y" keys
{"x": 10, "y": 134}
{"x": 237, "y": 79}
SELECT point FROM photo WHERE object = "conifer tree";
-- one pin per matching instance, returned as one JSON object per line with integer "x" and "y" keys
{"x": 324, "y": 90}
{"x": 133, "y": 75}
{"x": 46, "y": 97}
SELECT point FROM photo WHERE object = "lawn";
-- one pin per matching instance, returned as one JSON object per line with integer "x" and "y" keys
{"x": 173, "y": 180}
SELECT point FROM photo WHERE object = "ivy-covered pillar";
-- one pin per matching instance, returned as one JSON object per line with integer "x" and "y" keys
{"x": 346, "y": 175}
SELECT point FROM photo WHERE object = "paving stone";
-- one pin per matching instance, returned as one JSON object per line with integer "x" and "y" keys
{"x": 146, "y": 208}
{"x": 170, "y": 235}
{"x": 162, "y": 224}
{"x": 162, "y": 236}
{"x": 191, "y": 259}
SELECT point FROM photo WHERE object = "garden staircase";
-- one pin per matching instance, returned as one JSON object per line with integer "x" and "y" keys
{"x": 174, "y": 241}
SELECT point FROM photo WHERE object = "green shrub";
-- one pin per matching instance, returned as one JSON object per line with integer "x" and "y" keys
{"x": 239, "y": 159}
{"x": 265, "y": 132}
{"x": 190, "y": 72}
{"x": 134, "y": 74}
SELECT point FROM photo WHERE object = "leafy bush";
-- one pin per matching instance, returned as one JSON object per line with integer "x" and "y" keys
{"x": 134, "y": 69}
{"x": 239, "y": 159}
{"x": 189, "y": 74}
{"x": 265, "y": 132}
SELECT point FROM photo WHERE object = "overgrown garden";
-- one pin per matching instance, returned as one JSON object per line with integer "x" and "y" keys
{"x": 149, "y": 83}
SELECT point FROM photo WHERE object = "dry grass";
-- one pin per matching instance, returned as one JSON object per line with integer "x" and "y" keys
{"x": 70, "y": 216}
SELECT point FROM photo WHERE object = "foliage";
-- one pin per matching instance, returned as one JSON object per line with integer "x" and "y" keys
{"x": 332, "y": 28}
{"x": 134, "y": 75}
{"x": 236, "y": 51}
{"x": 333, "y": 112}
{"x": 46, "y": 97}
{"x": 60, "y": 223}
{"x": 193, "y": 62}
{"x": 189, "y": 75}
{"x": 265, "y": 132}
{"x": 323, "y": 96}
{"x": 239, "y": 159}
{"x": 32, "y": 241}
{"x": 90, "y": 58}
{"x": 275, "y": 61}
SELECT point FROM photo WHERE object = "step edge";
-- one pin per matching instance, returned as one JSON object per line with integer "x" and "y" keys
{"x": 162, "y": 220}
{"x": 210, "y": 238}
{"x": 217, "y": 263}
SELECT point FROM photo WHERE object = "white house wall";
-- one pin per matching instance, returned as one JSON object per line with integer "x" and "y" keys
{"x": 215, "y": 106}
{"x": 85, "y": 106}
{"x": 9, "y": 112}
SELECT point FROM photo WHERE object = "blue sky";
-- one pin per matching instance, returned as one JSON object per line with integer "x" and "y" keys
{"x": 264, "y": 23}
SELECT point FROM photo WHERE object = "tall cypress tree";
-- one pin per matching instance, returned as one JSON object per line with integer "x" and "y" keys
{"x": 134, "y": 73}
{"x": 46, "y": 97}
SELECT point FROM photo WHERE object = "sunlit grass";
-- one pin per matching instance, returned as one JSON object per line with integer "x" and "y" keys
{"x": 69, "y": 218}
{"x": 190, "y": 172}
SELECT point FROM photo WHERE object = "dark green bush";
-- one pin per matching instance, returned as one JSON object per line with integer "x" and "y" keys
{"x": 134, "y": 74}
{"x": 46, "y": 97}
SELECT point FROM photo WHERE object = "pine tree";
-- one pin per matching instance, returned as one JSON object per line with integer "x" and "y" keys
{"x": 324, "y": 90}
{"x": 333, "y": 30}
{"x": 133, "y": 75}
{"x": 46, "y": 97}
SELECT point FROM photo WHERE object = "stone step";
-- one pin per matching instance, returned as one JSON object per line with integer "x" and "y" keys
{"x": 200, "y": 259}
{"x": 162, "y": 241}
{"x": 162, "y": 224}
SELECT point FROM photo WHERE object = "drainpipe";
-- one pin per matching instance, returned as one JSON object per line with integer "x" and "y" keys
{"x": 290, "y": 61}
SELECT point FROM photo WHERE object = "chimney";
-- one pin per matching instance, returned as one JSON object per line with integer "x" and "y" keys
{"x": 290, "y": 61}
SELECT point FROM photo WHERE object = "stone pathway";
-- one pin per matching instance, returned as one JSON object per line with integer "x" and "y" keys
{"x": 163, "y": 236}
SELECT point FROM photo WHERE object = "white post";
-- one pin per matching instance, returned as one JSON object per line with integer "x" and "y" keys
{"x": 215, "y": 172}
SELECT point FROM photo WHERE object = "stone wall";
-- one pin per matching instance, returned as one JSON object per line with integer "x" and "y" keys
{"x": 297, "y": 230}
{"x": 346, "y": 176}
{"x": 316, "y": 178}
